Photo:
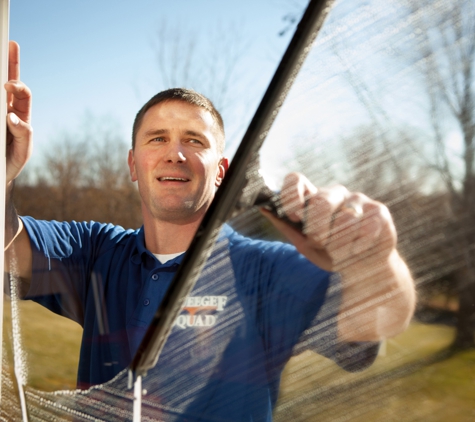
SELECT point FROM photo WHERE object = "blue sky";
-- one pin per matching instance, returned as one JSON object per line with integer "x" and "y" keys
{"x": 84, "y": 58}
{"x": 97, "y": 56}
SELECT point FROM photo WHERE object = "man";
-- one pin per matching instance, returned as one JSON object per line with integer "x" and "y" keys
{"x": 254, "y": 302}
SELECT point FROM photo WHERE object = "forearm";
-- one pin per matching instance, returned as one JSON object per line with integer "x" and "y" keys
{"x": 18, "y": 254}
{"x": 378, "y": 299}
{"x": 13, "y": 224}
{"x": 350, "y": 234}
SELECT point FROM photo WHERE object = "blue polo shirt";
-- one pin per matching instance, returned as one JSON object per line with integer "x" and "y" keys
{"x": 254, "y": 304}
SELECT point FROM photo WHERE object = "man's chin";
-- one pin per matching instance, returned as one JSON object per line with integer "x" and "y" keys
{"x": 185, "y": 213}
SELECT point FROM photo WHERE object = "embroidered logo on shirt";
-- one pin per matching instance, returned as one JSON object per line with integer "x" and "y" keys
{"x": 200, "y": 311}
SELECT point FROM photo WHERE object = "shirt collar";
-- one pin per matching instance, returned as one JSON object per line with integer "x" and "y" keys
{"x": 142, "y": 251}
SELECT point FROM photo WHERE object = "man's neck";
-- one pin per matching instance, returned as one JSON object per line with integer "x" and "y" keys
{"x": 167, "y": 237}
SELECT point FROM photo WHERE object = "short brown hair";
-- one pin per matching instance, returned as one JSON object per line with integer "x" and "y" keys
{"x": 180, "y": 94}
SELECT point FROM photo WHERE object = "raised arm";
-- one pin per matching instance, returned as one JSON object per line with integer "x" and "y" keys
{"x": 19, "y": 147}
{"x": 355, "y": 236}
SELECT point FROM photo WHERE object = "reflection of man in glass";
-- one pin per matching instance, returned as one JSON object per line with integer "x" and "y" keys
{"x": 254, "y": 302}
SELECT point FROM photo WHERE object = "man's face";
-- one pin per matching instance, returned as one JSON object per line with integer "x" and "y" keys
{"x": 176, "y": 162}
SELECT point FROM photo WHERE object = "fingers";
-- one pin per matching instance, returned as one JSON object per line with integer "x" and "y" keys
{"x": 315, "y": 208}
{"x": 343, "y": 224}
{"x": 304, "y": 245}
{"x": 322, "y": 209}
{"x": 13, "y": 65}
{"x": 18, "y": 94}
{"x": 19, "y": 145}
{"x": 359, "y": 227}
{"x": 19, "y": 102}
{"x": 347, "y": 220}
{"x": 295, "y": 191}
{"x": 13, "y": 61}
{"x": 18, "y": 128}
{"x": 20, "y": 133}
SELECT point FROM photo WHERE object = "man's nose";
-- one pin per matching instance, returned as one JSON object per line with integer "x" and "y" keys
{"x": 175, "y": 153}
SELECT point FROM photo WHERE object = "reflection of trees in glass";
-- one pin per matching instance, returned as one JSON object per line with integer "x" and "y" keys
{"x": 429, "y": 188}
{"x": 403, "y": 181}
{"x": 446, "y": 50}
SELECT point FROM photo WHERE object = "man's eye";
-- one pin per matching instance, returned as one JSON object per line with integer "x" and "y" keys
{"x": 195, "y": 141}
{"x": 158, "y": 139}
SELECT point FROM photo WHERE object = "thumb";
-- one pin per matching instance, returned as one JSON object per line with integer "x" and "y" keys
{"x": 15, "y": 126}
{"x": 311, "y": 250}
{"x": 19, "y": 145}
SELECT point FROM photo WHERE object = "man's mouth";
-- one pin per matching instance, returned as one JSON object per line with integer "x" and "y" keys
{"x": 173, "y": 179}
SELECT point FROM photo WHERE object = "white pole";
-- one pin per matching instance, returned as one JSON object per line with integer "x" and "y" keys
{"x": 4, "y": 21}
{"x": 137, "y": 399}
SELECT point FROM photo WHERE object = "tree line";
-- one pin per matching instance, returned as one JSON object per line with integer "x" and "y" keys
{"x": 81, "y": 178}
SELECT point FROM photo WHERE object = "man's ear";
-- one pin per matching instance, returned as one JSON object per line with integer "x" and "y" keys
{"x": 222, "y": 169}
{"x": 131, "y": 163}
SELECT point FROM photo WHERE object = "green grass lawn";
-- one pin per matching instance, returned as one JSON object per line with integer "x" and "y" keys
{"x": 51, "y": 346}
{"x": 406, "y": 383}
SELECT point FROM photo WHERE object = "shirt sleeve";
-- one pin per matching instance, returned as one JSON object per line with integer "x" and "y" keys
{"x": 321, "y": 335}
{"x": 297, "y": 306}
{"x": 63, "y": 257}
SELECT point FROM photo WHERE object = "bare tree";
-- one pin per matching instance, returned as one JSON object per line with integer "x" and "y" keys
{"x": 446, "y": 61}
{"x": 444, "y": 57}
{"x": 65, "y": 171}
{"x": 85, "y": 177}
{"x": 206, "y": 61}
